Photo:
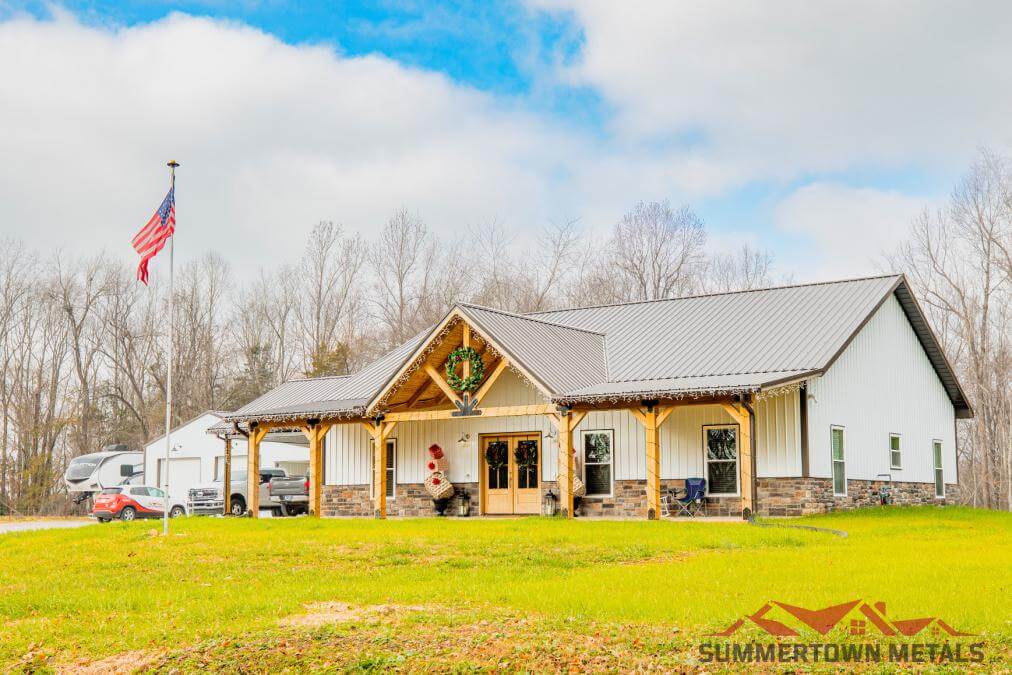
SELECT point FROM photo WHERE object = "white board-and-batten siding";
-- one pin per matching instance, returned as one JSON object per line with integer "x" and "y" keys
{"x": 882, "y": 384}
{"x": 349, "y": 453}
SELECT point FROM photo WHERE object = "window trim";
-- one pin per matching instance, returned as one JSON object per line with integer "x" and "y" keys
{"x": 372, "y": 472}
{"x": 737, "y": 460}
{"x": 940, "y": 467}
{"x": 583, "y": 461}
{"x": 832, "y": 461}
{"x": 899, "y": 450}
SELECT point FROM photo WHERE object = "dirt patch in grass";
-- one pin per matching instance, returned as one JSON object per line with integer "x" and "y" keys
{"x": 127, "y": 662}
{"x": 324, "y": 613}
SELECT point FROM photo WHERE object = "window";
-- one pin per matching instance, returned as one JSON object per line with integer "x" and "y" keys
{"x": 720, "y": 443}
{"x": 936, "y": 450}
{"x": 598, "y": 456}
{"x": 894, "y": 452}
{"x": 156, "y": 492}
{"x": 526, "y": 457}
{"x": 391, "y": 470}
{"x": 839, "y": 469}
{"x": 140, "y": 492}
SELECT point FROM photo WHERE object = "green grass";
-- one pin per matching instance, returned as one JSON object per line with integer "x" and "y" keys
{"x": 216, "y": 589}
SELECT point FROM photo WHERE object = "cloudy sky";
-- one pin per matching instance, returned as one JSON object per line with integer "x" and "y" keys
{"x": 817, "y": 130}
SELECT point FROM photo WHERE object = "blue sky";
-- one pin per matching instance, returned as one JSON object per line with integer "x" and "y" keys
{"x": 768, "y": 122}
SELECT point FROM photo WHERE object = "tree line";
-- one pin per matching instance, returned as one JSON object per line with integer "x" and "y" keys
{"x": 83, "y": 344}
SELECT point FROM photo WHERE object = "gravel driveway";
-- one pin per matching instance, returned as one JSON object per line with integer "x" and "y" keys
{"x": 42, "y": 524}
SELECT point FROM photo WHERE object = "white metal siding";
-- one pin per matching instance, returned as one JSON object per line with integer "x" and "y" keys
{"x": 349, "y": 447}
{"x": 883, "y": 383}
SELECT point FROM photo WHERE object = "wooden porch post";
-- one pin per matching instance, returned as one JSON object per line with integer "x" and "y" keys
{"x": 565, "y": 478}
{"x": 742, "y": 416}
{"x": 653, "y": 463}
{"x": 315, "y": 432}
{"x": 256, "y": 434}
{"x": 379, "y": 431}
{"x": 652, "y": 419}
{"x": 226, "y": 477}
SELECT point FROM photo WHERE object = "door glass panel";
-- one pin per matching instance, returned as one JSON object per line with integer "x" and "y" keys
{"x": 497, "y": 459}
{"x": 526, "y": 457}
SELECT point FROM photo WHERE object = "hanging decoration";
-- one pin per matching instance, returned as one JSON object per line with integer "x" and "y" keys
{"x": 438, "y": 484}
{"x": 457, "y": 357}
{"x": 526, "y": 454}
{"x": 495, "y": 456}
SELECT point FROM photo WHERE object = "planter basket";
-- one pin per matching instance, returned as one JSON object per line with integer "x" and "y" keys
{"x": 579, "y": 489}
{"x": 442, "y": 464}
{"x": 439, "y": 486}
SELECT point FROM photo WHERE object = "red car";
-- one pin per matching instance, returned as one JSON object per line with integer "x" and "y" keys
{"x": 128, "y": 502}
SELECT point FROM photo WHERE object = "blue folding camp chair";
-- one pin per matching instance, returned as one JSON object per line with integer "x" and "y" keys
{"x": 691, "y": 500}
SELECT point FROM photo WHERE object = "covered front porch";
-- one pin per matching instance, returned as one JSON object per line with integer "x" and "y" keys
{"x": 507, "y": 441}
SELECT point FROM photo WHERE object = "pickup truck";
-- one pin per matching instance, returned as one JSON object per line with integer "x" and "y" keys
{"x": 206, "y": 498}
{"x": 292, "y": 492}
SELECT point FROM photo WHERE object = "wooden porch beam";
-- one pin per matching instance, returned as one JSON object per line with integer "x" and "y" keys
{"x": 226, "y": 478}
{"x": 380, "y": 431}
{"x": 315, "y": 434}
{"x": 501, "y": 411}
{"x": 441, "y": 383}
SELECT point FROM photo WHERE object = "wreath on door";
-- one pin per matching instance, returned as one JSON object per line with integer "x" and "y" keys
{"x": 526, "y": 453}
{"x": 457, "y": 357}
{"x": 495, "y": 456}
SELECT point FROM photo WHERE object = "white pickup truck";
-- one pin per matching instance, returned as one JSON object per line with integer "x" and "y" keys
{"x": 207, "y": 498}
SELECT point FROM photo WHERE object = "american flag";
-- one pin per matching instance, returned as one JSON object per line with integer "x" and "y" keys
{"x": 151, "y": 239}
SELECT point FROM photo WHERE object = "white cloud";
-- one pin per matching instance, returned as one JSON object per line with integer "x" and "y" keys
{"x": 774, "y": 90}
{"x": 271, "y": 137}
{"x": 847, "y": 229}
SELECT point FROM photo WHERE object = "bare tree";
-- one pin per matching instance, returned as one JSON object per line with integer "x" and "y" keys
{"x": 657, "y": 252}
{"x": 957, "y": 260}
{"x": 744, "y": 270}
{"x": 330, "y": 299}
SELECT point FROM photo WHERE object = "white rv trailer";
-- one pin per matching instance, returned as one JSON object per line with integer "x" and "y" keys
{"x": 92, "y": 473}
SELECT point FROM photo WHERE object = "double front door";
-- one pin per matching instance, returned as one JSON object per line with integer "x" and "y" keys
{"x": 511, "y": 471}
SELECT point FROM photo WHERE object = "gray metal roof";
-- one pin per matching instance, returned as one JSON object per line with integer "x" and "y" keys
{"x": 728, "y": 342}
{"x": 339, "y": 395}
{"x": 562, "y": 358}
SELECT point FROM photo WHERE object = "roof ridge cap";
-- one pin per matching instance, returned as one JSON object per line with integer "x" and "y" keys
{"x": 894, "y": 275}
{"x": 528, "y": 317}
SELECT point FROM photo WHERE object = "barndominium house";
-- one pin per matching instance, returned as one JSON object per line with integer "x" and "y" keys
{"x": 786, "y": 401}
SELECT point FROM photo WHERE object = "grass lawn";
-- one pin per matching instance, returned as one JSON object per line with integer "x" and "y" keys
{"x": 535, "y": 594}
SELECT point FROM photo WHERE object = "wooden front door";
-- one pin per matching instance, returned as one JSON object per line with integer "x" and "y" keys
{"x": 511, "y": 473}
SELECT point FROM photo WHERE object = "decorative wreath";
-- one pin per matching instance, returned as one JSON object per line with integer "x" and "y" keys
{"x": 458, "y": 356}
{"x": 496, "y": 457}
{"x": 526, "y": 454}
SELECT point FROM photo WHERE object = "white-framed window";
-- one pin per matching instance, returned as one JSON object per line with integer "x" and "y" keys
{"x": 895, "y": 456}
{"x": 839, "y": 464}
{"x": 391, "y": 472}
{"x": 936, "y": 452}
{"x": 599, "y": 462}
{"x": 720, "y": 454}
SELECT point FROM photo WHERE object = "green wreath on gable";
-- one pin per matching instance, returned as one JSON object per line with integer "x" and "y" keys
{"x": 458, "y": 356}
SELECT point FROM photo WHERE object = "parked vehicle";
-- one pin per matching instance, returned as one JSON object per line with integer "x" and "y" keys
{"x": 89, "y": 474}
{"x": 207, "y": 498}
{"x": 292, "y": 492}
{"x": 129, "y": 502}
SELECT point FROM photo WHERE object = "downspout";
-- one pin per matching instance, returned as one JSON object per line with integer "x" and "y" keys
{"x": 752, "y": 443}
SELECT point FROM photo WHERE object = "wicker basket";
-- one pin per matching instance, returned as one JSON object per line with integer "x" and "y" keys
{"x": 439, "y": 486}
{"x": 579, "y": 489}
{"x": 442, "y": 464}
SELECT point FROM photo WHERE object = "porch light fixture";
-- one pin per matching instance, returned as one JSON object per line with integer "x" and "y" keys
{"x": 464, "y": 441}
{"x": 463, "y": 503}
{"x": 549, "y": 504}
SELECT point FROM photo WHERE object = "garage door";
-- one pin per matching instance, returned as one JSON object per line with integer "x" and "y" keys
{"x": 183, "y": 473}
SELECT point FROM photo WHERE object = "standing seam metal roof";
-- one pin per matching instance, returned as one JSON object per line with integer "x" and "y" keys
{"x": 727, "y": 341}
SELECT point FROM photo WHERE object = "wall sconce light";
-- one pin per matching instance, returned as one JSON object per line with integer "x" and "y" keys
{"x": 464, "y": 441}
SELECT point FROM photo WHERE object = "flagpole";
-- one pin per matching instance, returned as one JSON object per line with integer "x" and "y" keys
{"x": 172, "y": 164}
